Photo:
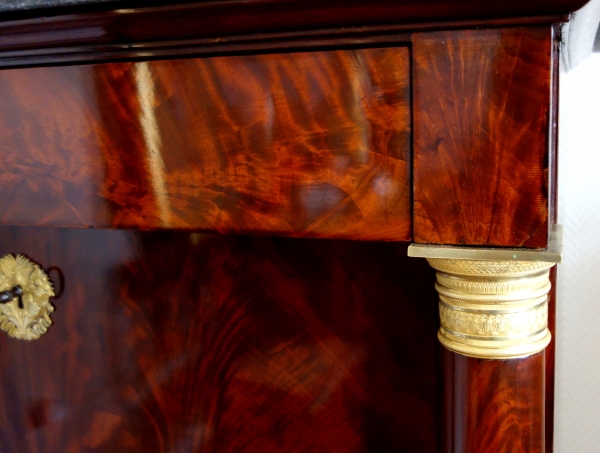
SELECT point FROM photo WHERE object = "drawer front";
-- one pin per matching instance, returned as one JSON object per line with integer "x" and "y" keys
{"x": 299, "y": 144}
{"x": 176, "y": 342}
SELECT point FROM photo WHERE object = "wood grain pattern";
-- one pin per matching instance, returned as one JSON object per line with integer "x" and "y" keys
{"x": 302, "y": 144}
{"x": 177, "y": 342}
{"x": 481, "y": 134}
{"x": 494, "y": 406}
{"x": 501, "y": 406}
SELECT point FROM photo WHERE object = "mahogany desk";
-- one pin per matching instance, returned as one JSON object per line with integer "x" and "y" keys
{"x": 222, "y": 195}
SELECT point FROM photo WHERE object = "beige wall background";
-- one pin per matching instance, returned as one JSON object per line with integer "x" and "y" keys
{"x": 577, "y": 393}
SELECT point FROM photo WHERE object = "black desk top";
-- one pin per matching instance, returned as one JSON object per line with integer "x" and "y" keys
{"x": 439, "y": 9}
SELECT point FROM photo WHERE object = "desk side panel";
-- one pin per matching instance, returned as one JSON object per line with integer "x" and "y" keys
{"x": 300, "y": 144}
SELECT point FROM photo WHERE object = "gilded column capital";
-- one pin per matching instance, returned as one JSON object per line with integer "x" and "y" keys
{"x": 493, "y": 303}
{"x": 493, "y": 309}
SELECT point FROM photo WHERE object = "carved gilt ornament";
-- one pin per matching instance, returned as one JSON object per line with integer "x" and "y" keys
{"x": 26, "y": 290}
{"x": 493, "y": 309}
{"x": 493, "y": 302}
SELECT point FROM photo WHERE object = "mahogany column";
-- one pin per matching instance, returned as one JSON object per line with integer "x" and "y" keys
{"x": 483, "y": 114}
{"x": 489, "y": 310}
{"x": 493, "y": 306}
{"x": 493, "y": 405}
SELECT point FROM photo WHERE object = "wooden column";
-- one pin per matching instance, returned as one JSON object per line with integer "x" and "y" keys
{"x": 494, "y": 325}
{"x": 493, "y": 306}
{"x": 494, "y": 405}
{"x": 483, "y": 134}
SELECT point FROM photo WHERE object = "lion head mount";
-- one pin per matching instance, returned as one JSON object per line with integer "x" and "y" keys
{"x": 27, "y": 317}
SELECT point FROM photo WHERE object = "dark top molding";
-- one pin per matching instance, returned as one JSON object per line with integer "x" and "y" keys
{"x": 60, "y": 31}
{"x": 405, "y": 10}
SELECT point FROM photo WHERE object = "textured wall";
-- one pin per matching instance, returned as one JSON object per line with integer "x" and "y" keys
{"x": 578, "y": 335}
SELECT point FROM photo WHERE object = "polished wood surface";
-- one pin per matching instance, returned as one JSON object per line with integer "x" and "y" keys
{"x": 177, "y": 342}
{"x": 300, "y": 144}
{"x": 120, "y": 30}
{"x": 296, "y": 122}
{"x": 481, "y": 134}
{"x": 414, "y": 10}
{"x": 494, "y": 406}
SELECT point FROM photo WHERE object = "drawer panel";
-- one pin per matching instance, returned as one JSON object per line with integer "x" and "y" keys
{"x": 299, "y": 144}
{"x": 178, "y": 342}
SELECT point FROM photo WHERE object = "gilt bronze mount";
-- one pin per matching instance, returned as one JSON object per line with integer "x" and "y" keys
{"x": 492, "y": 306}
{"x": 25, "y": 292}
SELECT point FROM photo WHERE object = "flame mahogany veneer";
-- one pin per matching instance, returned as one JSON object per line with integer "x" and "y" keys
{"x": 174, "y": 342}
{"x": 180, "y": 341}
{"x": 494, "y": 405}
{"x": 482, "y": 125}
{"x": 301, "y": 144}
